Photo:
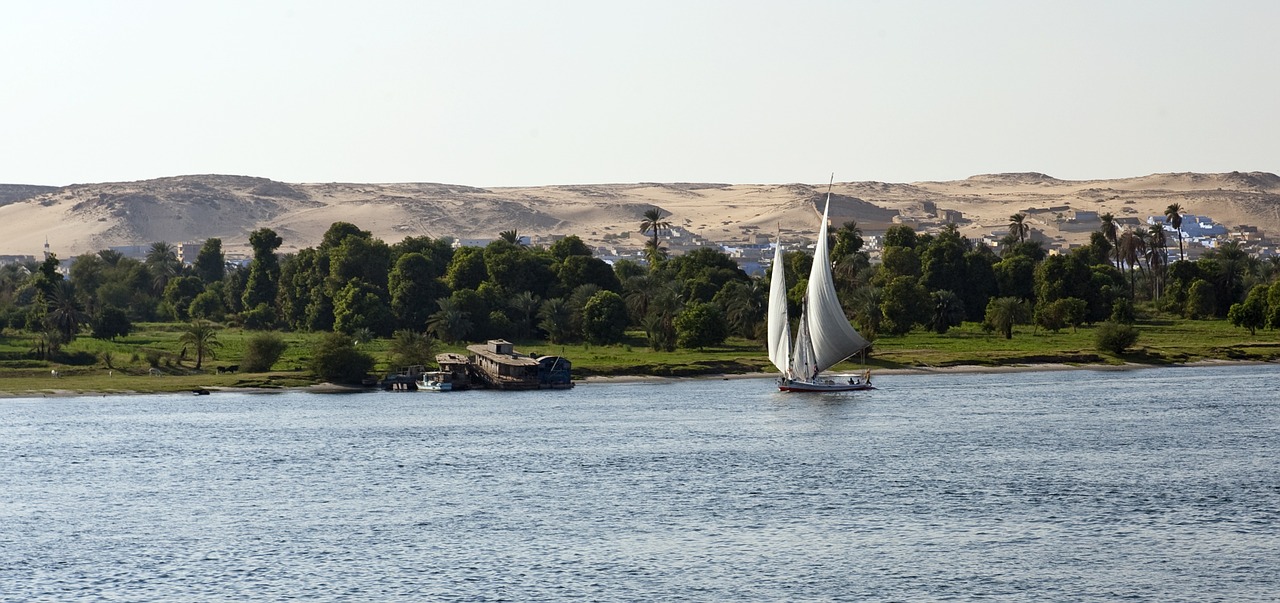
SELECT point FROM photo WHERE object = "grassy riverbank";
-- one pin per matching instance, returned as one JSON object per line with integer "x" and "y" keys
{"x": 124, "y": 365}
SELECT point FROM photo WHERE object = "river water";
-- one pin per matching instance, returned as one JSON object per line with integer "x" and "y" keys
{"x": 1148, "y": 485}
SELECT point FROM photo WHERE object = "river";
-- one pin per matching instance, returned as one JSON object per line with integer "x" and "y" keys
{"x": 1147, "y": 485}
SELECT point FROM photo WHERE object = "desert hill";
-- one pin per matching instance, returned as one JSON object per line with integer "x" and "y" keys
{"x": 84, "y": 218}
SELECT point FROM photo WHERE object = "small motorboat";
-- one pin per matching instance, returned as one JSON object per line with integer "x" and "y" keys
{"x": 435, "y": 381}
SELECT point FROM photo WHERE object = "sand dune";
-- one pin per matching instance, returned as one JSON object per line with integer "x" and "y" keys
{"x": 88, "y": 217}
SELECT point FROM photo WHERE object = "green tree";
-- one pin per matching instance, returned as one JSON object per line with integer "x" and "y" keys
{"x": 904, "y": 304}
{"x": 207, "y": 305}
{"x": 1252, "y": 312}
{"x": 1201, "y": 300}
{"x": 980, "y": 283}
{"x": 111, "y": 322}
{"x": 577, "y": 270}
{"x": 335, "y": 359}
{"x": 943, "y": 264}
{"x": 412, "y": 283}
{"x": 262, "y": 351}
{"x": 466, "y": 269}
{"x": 202, "y": 336}
{"x": 1005, "y": 312}
{"x": 1273, "y": 305}
{"x": 848, "y": 240}
{"x": 264, "y": 272}
{"x": 360, "y": 305}
{"x": 211, "y": 263}
{"x": 699, "y": 325}
{"x": 604, "y": 318}
{"x": 900, "y": 235}
{"x": 1015, "y": 276}
{"x": 178, "y": 295}
{"x": 569, "y": 246}
{"x": 897, "y": 262}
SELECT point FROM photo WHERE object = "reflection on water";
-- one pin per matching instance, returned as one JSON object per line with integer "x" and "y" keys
{"x": 1151, "y": 485}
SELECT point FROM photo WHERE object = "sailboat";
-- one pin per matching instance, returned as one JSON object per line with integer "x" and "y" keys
{"x": 824, "y": 337}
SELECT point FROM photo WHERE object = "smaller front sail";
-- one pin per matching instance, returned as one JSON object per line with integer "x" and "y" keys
{"x": 779, "y": 323}
{"x": 803, "y": 363}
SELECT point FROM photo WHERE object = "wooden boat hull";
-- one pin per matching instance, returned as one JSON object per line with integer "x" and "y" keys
{"x": 824, "y": 385}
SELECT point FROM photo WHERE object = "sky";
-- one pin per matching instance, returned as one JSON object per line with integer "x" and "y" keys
{"x": 487, "y": 93}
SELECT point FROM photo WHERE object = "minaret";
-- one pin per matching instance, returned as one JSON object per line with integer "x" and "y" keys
{"x": 46, "y": 247}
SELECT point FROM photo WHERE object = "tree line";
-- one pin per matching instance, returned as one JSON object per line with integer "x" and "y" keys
{"x": 355, "y": 284}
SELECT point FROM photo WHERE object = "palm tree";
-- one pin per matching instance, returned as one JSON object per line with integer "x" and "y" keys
{"x": 556, "y": 320}
{"x": 654, "y": 254}
{"x": 203, "y": 336}
{"x": 450, "y": 323}
{"x": 1130, "y": 248}
{"x": 410, "y": 349}
{"x": 526, "y": 304}
{"x": 511, "y": 236}
{"x": 744, "y": 305}
{"x": 865, "y": 307}
{"x": 1174, "y": 214}
{"x": 1004, "y": 312}
{"x": 1109, "y": 233}
{"x": 63, "y": 312}
{"x": 1157, "y": 258}
{"x": 1018, "y": 227}
{"x": 654, "y": 223}
{"x": 948, "y": 311}
{"x": 162, "y": 263}
{"x": 111, "y": 256}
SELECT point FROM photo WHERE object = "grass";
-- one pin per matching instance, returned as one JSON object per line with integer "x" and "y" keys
{"x": 84, "y": 369}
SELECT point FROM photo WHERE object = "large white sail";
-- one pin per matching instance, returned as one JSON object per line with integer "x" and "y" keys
{"x": 832, "y": 337}
{"x": 779, "y": 327}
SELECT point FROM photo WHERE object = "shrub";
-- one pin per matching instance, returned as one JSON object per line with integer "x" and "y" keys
{"x": 701, "y": 324}
{"x": 337, "y": 360}
{"x": 1122, "y": 311}
{"x": 153, "y": 357}
{"x": 1115, "y": 337}
{"x": 261, "y": 352}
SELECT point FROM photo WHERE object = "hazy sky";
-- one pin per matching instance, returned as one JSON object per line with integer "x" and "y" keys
{"x": 531, "y": 93}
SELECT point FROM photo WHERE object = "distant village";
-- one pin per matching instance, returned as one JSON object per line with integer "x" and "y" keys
{"x": 754, "y": 251}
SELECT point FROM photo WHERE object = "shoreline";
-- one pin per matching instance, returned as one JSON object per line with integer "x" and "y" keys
{"x": 962, "y": 369}
{"x": 970, "y": 369}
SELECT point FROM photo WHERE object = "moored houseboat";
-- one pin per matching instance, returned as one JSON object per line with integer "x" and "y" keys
{"x": 459, "y": 368}
{"x": 499, "y": 366}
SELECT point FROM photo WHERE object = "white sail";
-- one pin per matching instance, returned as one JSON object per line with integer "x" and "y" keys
{"x": 803, "y": 364}
{"x": 832, "y": 337}
{"x": 779, "y": 327}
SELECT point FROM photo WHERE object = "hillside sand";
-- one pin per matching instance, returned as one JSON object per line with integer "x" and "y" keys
{"x": 85, "y": 218}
